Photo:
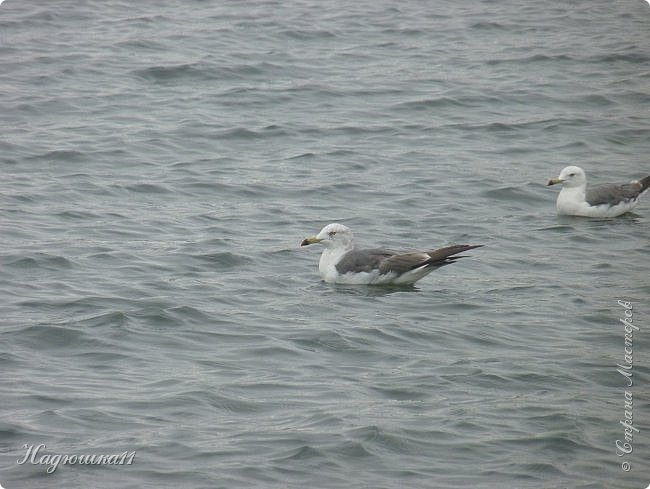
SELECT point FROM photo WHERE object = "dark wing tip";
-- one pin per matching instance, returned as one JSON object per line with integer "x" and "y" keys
{"x": 645, "y": 183}
{"x": 448, "y": 252}
{"x": 464, "y": 248}
{"x": 460, "y": 248}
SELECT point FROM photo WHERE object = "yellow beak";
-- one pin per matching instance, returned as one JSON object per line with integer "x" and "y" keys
{"x": 554, "y": 181}
{"x": 310, "y": 240}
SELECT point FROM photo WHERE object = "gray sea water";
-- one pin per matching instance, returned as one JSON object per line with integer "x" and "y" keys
{"x": 160, "y": 164}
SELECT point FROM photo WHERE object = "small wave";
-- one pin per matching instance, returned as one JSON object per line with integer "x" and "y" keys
{"x": 303, "y": 34}
{"x": 77, "y": 215}
{"x": 39, "y": 260}
{"x": 535, "y": 58}
{"x": 243, "y": 133}
{"x": 487, "y": 25}
{"x": 304, "y": 452}
{"x": 220, "y": 401}
{"x": 404, "y": 31}
{"x": 112, "y": 318}
{"x": 148, "y": 188}
{"x": 512, "y": 194}
{"x": 628, "y": 56}
{"x": 189, "y": 313}
{"x": 302, "y": 156}
{"x": 560, "y": 228}
{"x": 142, "y": 44}
{"x": 440, "y": 102}
{"x": 205, "y": 70}
{"x": 48, "y": 336}
{"x": 166, "y": 73}
{"x": 223, "y": 260}
{"x": 61, "y": 155}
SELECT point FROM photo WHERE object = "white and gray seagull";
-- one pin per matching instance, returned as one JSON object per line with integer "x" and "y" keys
{"x": 606, "y": 200}
{"x": 342, "y": 262}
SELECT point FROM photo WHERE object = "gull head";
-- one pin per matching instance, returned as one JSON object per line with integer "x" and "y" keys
{"x": 571, "y": 176}
{"x": 333, "y": 235}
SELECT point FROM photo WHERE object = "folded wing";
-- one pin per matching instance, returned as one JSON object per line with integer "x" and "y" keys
{"x": 402, "y": 263}
{"x": 613, "y": 194}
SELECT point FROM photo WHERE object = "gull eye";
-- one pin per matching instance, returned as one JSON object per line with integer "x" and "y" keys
{"x": 572, "y": 174}
{"x": 331, "y": 233}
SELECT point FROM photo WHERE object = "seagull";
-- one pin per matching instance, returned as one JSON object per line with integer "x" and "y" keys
{"x": 341, "y": 262}
{"x": 607, "y": 200}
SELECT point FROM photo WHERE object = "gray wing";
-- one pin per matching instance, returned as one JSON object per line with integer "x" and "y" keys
{"x": 367, "y": 260}
{"x": 356, "y": 261}
{"x": 612, "y": 194}
{"x": 404, "y": 262}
